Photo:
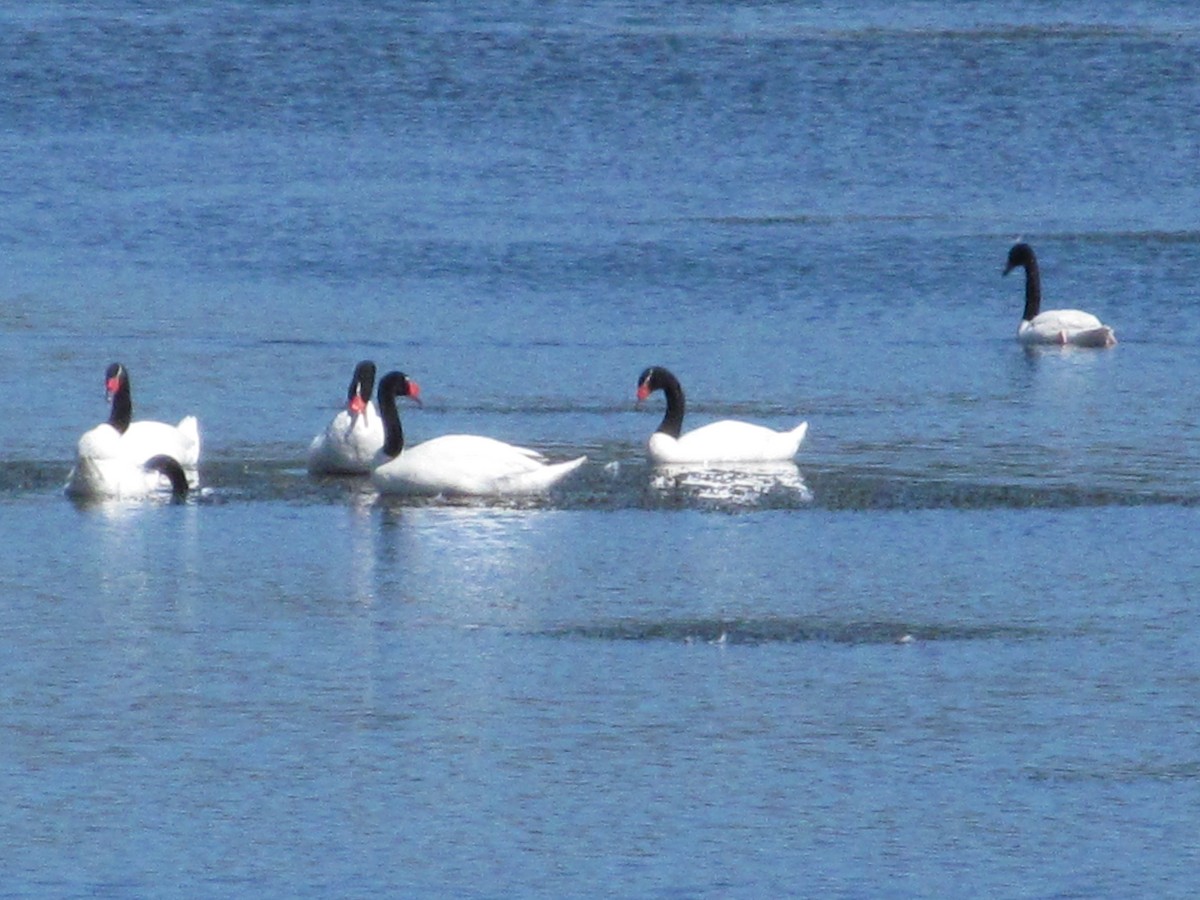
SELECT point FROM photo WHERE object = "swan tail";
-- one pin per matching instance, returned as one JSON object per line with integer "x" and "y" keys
{"x": 789, "y": 443}
{"x": 543, "y": 478}
{"x": 798, "y": 433}
{"x": 189, "y": 430}
{"x": 1096, "y": 337}
{"x": 169, "y": 467}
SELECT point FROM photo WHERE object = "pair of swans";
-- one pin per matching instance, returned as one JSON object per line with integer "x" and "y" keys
{"x": 368, "y": 438}
{"x": 730, "y": 441}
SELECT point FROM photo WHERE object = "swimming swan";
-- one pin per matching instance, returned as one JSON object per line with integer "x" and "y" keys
{"x": 726, "y": 441}
{"x": 455, "y": 464}
{"x": 1054, "y": 326}
{"x": 123, "y": 458}
{"x": 350, "y": 441}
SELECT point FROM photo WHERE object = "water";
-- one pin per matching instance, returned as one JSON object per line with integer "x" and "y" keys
{"x": 952, "y": 652}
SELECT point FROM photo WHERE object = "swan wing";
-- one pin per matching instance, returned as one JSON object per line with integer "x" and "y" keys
{"x": 541, "y": 478}
{"x": 103, "y": 469}
{"x": 468, "y": 464}
{"x": 146, "y": 439}
{"x": 1066, "y": 326}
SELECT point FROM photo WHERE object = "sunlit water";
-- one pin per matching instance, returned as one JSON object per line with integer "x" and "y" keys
{"x": 949, "y": 652}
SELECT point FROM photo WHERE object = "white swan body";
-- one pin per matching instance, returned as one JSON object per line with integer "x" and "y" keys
{"x": 455, "y": 464}
{"x": 1054, "y": 326}
{"x": 726, "y": 441}
{"x": 349, "y": 443}
{"x": 181, "y": 442}
{"x": 469, "y": 464}
{"x": 121, "y": 458}
{"x": 1066, "y": 326}
{"x": 105, "y": 468}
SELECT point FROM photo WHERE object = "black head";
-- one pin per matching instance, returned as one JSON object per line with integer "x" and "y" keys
{"x": 396, "y": 384}
{"x": 115, "y": 378}
{"x": 362, "y": 384}
{"x": 1021, "y": 254}
{"x": 655, "y": 378}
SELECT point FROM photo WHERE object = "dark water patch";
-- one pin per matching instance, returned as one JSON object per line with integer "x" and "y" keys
{"x": 30, "y": 476}
{"x": 1121, "y": 236}
{"x": 313, "y": 342}
{"x": 841, "y": 490}
{"x": 1124, "y": 773}
{"x": 786, "y": 630}
{"x": 817, "y": 219}
{"x": 274, "y": 481}
{"x": 1071, "y": 31}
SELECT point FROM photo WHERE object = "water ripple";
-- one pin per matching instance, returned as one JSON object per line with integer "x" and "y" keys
{"x": 628, "y": 482}
{"x": 785, "y": 630}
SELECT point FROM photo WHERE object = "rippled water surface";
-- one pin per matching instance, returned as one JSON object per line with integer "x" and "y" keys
{"x": 950, "y": 651}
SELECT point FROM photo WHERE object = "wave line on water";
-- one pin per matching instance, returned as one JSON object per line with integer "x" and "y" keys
{"x": 617, "y": 477}
{"x": 785, "y": 630}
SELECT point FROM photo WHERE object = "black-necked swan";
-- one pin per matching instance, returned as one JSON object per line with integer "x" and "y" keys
{"x": 349, "y": 443}
{"x": 726, "y": 441}
{"x": 122, "y": 458}
{"x": 1054, "y": 326}
{"x": 147, "y": 438}
{"x": 455, "y": 464}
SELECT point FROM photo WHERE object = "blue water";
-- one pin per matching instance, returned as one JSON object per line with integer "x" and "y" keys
{"x": 953, "y": 653}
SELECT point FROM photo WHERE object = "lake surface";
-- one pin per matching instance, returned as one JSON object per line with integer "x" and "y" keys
{"x": 951, "y": 652}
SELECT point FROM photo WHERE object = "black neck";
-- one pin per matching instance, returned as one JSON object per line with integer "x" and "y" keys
{"x": 672, "y": 423}
{"x": 1033, "y": 289}
{"x": 393, "y": 433}
{"x": 362, "y": 383}
{"x": 122, "y": 408}
{"x": 168, "y": 466}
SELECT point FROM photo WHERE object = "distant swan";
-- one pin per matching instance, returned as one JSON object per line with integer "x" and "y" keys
{"x": 455, "y": 464}
{"x": 349, "y": 443}
{"x": 122, "y": 458}
{"x": 1054, "y": 326}
{"x": 726, "y": 441}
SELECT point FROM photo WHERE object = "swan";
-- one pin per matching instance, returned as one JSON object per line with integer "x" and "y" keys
{"x": 349, "y": 443}
{"x": 144, "y": 439}
{"x": 727, "y": 441}
{"x": 1054, "y": 326}
{"x": 120, "y": 458}
{"x": 455, "y": 464}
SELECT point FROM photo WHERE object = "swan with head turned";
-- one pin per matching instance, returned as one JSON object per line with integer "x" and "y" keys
{"x": 455, "y": 464}
{"x": 350, "y": 441}
{"x": 1053, "y": 326}
{"x": 726, "y": 441}
{"x": 104, "y": 471}
{"x": 123, "y": 458}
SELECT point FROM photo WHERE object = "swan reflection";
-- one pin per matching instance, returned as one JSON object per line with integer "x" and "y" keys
{"x": 741, "y": 484}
